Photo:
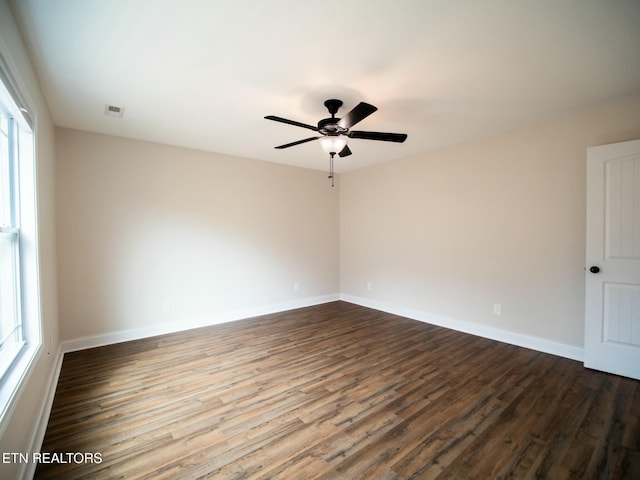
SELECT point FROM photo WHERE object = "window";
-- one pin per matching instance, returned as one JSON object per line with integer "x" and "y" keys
{"x": 20, "y": 324}
{"x": 11, "y": 334}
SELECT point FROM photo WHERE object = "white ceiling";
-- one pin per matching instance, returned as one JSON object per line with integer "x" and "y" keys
{"x": 204, "y": 73}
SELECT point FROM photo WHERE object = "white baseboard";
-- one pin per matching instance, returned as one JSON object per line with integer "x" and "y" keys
{"x": 505, "y": 336}
{"x": 37, "y": 437}
{"x": 222, "y": 317}
{"x": 501, "y": 335}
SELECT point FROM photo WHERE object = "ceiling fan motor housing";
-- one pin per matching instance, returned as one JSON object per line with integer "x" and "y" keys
{"x": 329, "y": 126}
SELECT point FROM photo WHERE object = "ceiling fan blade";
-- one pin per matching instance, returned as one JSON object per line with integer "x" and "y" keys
{"x": 385, "y": 137}
{"x": 345, "y": 152}
{"x": 359, "y": 112}
{"x": 296, "y": 143}
{"x": 291, "y": 122}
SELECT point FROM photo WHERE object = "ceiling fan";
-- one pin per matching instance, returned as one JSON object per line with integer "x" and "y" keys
{"x": 335, "y": 132}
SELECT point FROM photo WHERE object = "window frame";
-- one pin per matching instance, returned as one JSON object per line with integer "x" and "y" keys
{"x": 15, "y": 97}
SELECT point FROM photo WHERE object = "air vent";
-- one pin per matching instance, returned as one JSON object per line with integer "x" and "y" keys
{"x": 113, "y": 111}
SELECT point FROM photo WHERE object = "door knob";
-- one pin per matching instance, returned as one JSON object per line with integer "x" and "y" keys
{"x": 594, "y": 269}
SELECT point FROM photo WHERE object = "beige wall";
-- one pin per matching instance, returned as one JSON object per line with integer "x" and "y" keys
{"x": 22, "y": 423}
{"x": 150, "y": 234}
{"x": 502, "y": 220}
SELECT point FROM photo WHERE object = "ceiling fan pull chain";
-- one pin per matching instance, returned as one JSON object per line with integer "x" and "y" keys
{"x": 331, "y": 167}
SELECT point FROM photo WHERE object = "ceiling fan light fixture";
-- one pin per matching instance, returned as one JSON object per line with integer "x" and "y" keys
{"x": 333, "y": 143}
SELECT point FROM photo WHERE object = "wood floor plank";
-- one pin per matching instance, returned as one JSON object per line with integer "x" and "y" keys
{"x": 338, "y": 391}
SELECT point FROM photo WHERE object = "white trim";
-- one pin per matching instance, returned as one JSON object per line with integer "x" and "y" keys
{"x": 15, "y": 381}
{"x": 28, "y": 469}
{"x": 214, "y": 319}
{"x": 519, "y": 339}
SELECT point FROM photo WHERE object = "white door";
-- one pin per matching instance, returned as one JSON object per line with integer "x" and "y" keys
{"x": 612, "y": 328}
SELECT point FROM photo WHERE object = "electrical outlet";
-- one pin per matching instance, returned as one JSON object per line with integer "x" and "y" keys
{"x": 497, "y": 309}
{"x": 296, "y": 286}
{"x": 369, "y": 285}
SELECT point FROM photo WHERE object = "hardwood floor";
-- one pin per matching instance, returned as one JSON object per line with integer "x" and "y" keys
{"x": 338, "y": 391}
